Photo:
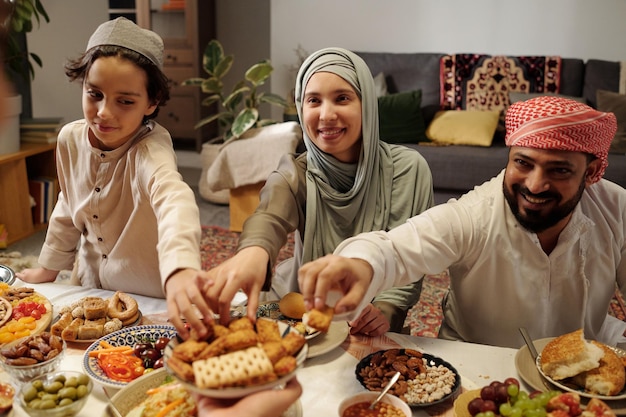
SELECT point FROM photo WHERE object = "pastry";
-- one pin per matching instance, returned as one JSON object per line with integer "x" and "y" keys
{"x": 569, "y": 355}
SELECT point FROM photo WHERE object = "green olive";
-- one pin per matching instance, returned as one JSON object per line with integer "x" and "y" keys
{"x": 68, "y": 392}
{"x": 50, "y": 397}
{"x": 60, "y": 378}
{"x": 53, "y": 387}
{"x": 83, "y": 379}
{"x": 34, "y": 403}
{"x": 81, "y": 391}
{"x": 46, "y": 405}
{"x": 30, "y": 393}
{"x": 71, "y": 382}
{"x": 38, "y": 384}
{"x": 65, "y": 401}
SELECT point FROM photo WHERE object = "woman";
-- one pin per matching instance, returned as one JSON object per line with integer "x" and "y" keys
{"x": 348, "y": 181}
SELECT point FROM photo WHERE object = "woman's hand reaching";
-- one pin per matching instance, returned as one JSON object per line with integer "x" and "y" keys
{"x": 247, "y": 271}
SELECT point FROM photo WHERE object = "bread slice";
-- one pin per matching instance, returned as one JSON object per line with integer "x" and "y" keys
{"x": 569, "y": 355}
{"x": 607, "y": 379}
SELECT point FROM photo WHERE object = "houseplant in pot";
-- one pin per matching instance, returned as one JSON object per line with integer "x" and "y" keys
{"x": 235, "y": 111}
{"x": 19, "y": 17}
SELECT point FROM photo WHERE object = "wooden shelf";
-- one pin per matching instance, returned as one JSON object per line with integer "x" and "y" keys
{"x": 31, "y": 161}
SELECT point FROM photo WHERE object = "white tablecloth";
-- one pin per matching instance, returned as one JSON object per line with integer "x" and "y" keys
{"x": 326, "y": 379}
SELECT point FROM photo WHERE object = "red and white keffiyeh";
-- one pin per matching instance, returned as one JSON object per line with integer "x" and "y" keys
{"x": 551, "y": 122}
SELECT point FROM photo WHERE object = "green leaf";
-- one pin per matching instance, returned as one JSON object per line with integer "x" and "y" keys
{"x": 244, "y": 121}
{"x": 272, "y": 98}
{"x": 213, "y": 54}
{"x": 222, "y": 67}
{"x": 212, "y": 86}
{"x": 258, "y": 73}
{"x": 235, "y": 98}
{"x": 211, "y": 99}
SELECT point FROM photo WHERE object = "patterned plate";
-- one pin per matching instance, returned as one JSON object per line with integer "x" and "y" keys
{"x": 123, "y": 337}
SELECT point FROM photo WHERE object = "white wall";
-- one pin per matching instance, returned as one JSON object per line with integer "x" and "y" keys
{"x": 65, "y": 36}
{"x": 569, "y": 28}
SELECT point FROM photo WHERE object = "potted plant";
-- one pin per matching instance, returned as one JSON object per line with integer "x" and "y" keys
{"x": 237, "y": 110}
{"x": 19, "y": 17}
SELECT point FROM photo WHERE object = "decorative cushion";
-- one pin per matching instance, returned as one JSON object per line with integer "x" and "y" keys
{"x": 514, "y": 96}
{"x": 400, "y": 118}
{"x": 615, "y": 103}
{"x": 483, "y": 82}
{"x": 380, "y": 83}
{"x": 463, "y": 127}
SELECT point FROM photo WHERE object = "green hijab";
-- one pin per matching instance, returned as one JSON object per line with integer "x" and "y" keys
{"x": 345, "y": 199}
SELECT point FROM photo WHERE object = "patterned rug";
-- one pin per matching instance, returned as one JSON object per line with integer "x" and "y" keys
{"x": 423, "y": 319}
{"x": 483, "y": 82}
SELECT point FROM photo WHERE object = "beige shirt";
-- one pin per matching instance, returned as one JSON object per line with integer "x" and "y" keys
{"x": 125, "y": 215}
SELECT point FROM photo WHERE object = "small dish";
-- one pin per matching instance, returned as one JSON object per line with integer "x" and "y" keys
{"x": 24, "y": 373}
{"x": 124, "y": 337}
{"x": 238, "y": 392}
{"x": 430, "y": 361}
{"x": 7, "y": 275}
{"x": 369, "y": 396}
{"x": 580, "y": 391}
{"x": 82, "y": 386}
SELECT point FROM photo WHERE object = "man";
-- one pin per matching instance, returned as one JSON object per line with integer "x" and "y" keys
{"x": 541, "y": 245}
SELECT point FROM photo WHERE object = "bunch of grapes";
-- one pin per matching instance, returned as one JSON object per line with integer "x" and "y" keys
{"x": 507, "y": 400}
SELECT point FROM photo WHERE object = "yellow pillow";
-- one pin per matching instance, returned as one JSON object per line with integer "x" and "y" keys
{"x": 463, "y": 127}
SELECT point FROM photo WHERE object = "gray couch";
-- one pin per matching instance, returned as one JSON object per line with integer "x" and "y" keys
{"x": 457, "y": 169}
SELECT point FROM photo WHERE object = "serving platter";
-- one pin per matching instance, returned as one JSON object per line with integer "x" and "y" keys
{"x": 124, "y": 337}
{"x": 41, "y": 323}
{"x": 430, "y": 361}
{"x": 238, "y": 392}
{"x": 89, "y": 341}
{"x": 135, "y": 393}
{"x": 329, "y": 341}
{"x": 578, "y": 390}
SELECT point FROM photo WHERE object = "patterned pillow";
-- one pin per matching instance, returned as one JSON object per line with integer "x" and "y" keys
{"x": 483, "y": 82}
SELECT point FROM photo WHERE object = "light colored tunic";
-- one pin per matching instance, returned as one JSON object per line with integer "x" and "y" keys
{"x": 282, "y": 209}
{"x": 500, "y": 277}
{"x": 127, "y": 212}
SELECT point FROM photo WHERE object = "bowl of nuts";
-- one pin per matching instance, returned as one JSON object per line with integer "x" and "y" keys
{"x": 388, "y": 406}
{"x": 55, "y": 394}
{"x": 32, "y": 356}
{"x": 425, "y": 379}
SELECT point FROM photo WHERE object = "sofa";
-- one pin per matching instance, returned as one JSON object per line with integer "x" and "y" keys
{"x": 458, "y": 164}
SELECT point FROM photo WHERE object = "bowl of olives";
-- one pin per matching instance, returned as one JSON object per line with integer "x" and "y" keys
{"x": 55, "y": 394}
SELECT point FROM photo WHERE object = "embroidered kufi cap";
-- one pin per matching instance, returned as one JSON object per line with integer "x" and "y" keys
{"x": 551, "y": 122}
{"x": 123, "y": 32}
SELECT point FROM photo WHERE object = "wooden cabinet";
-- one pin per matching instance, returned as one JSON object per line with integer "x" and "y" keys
{"x": 33, "y": 160}
{"x": 186, "y": 26}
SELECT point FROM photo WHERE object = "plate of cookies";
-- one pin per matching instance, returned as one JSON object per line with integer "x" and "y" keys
{"x": 90, "y": 318}
{"x": 238, "y": 359}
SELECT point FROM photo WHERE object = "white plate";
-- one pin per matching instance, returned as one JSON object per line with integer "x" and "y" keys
{"x": 134, "y": 394}
{"x": 238, "y": 392}
{"x": 124, "y": 337}
{"x": 324, "y": 343}
{"x": 581, "y": 391}
{"x": 526, "y": 366}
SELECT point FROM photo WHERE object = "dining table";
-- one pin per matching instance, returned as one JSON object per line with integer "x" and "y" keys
{"x": 327, "y": 379}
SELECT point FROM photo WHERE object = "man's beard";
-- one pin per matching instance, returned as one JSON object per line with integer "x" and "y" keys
{"x": 533, "y": 220}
